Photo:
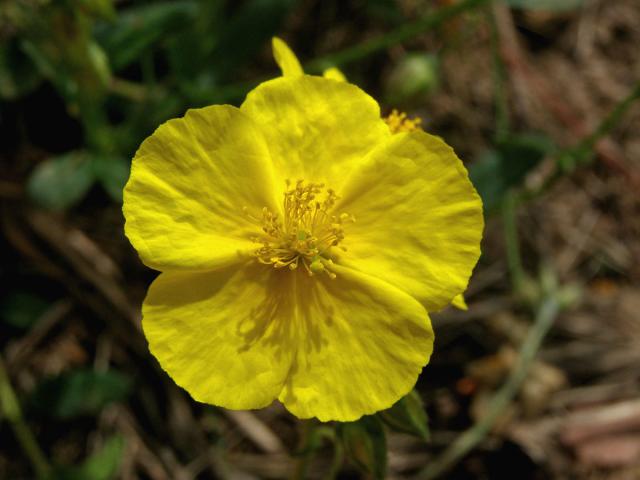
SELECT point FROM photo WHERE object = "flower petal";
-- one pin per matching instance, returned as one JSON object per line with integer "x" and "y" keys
{"x": 317, "y": 129}
{"x": 459, "y": 302}
{"x": 285, "y": 58}
{"x": 363, "y": 345}
{"x": 221, "y": 335}
{"x": 418, "y": 218}
{"x": 335, "y": 74}
{"x": 189, "y": 183}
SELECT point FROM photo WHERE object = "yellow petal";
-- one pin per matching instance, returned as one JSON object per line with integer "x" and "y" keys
{"x": 335, "y": 74}
{"x": 317, "y": 129}
{"x": 285, "y": 58}
{"x": 418, "y": 218}
{"x": 459, "y": 302}
{"x": 189, "y": 182}
{"x": 363, "y": 345}
{"x": 221, "y": 335}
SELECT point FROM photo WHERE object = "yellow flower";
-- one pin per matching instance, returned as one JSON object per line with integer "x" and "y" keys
{"x": 301, "y": 245}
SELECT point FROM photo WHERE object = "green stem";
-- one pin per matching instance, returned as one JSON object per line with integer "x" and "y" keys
{"x": 10, "y": 407}
{"x": 582, "y": 152}
{"x": 611, "y": 120}
{"x": 336, "y": 462}
{"x": 402, "y": 34}
{"x": 472, "y": 437}
{"x": 514, "y": 260}
{"x": 302, "y": 464}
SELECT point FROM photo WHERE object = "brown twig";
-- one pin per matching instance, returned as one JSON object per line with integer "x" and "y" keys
{"x": 87, "y": 259}
{"x": 257, "y": 431}
{"x": 20, "y": 349}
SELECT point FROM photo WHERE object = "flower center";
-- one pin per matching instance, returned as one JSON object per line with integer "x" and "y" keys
{"x": 306, "y": 234}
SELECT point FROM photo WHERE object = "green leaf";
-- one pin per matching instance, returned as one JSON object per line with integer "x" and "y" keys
{"x": 521, "y": 153}
{"x": 102, "y": 465}
{"x": 80, "y": 392}
{"x": 505, "y": 167}
{"x": 22, "y": 309}
{"x": 484, "y": 175}
{"x": 112, "y": 173}
{"x": 366, "y": 445}
{"x": 408, "y": 415}
{"x": 60, "y": 182}
{"x": 138, "y": 28}
{"x": 548, "y": 5}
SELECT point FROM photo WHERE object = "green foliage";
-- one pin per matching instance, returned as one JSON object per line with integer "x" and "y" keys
{"x": 408, "y": 415}
{"x": 102, "y": 465}
{"x": 365, "y": 445}
{"x": 99, "y": 8}
{"x": 505, "y": 167}
{"x": 200, "y": 41}
{"x": 59, "y": 42}
{"x": 79, "y": 392}
{"x": 22, "y": 309}
{"x": 138, "y": 29}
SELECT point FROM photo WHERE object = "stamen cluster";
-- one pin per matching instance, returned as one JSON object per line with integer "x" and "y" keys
{"x": 399, "y": 122}
{"x": 306, "y": 234}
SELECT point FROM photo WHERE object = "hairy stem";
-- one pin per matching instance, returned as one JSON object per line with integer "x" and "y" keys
{"x": 514, "y": 260}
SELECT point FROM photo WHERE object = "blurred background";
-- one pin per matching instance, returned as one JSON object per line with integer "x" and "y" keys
{"x": 538, "y": 379}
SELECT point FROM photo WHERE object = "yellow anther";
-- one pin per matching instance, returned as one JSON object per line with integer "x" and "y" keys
{"x": 399, "y": 122}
